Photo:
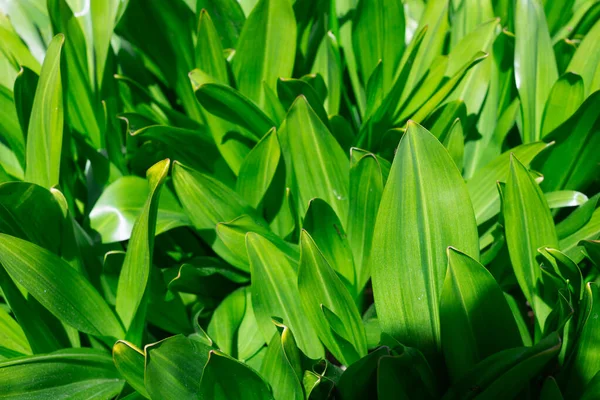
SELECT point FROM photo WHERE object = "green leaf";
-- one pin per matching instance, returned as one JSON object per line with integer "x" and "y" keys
{"x": 589, "y": 231}
{"x": 250, "y": 340}
{"x": 229, "y": 17}
{"x": 328, "y": 63}
{"x": 215, "y": 383}
{"x": 231, "y": 105}
{"x": 266, "y": 48}
{"x": 592, "y": 390}
{"x": 424, "y": 209}
{"x": 226, "y": 320}
{"x": 130, "y": 362}
{"x": 475, "y": 318}
{"x": 572, "y": 162}
{"x": 455, "y": 143}
{"x": 327, "y": 231}
{"x": 535, "y": 66}
{"x": 565, "y": 198}
{"x": 585, "y": 364}
{"x": 378, "y": 34}
{"x": 550, "y": 390}
{"x": 314, "y": 159}
{"x": 482, "y": 185}
{"x": 564, "y": 99}
{"x": 258, "y": 169}
{"x": 366, "y": 187}
{"x": 504, "y": 374}
{"x": 122, "y": 203}
{"x": 359, "y": 381}
{"x": 45, "y": 133}
{"x": 528, "y": 226}
{"x": 592, "y": 250}
{"x": 281, "y": 365}
{"x": 174, "y": 366}
{"x": 275, "y": 293}
{"x": 9, "y": 126}
{"x": 70, "y": 373}
{"x": 58, "y": 287}
{"x": 12, "y": 336}
{"x": 586, "y": 59}
{"x": 206, "y": 276}
{"x": 289, "y": 90}
{"x": 320, "y": 287}
{"x": 136, "y": 268}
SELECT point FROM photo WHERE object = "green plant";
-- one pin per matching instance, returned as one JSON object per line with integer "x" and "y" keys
{"x": 303, "y": 199}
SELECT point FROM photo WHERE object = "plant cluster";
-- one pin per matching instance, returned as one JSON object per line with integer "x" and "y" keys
{"x": 300, "y": 199}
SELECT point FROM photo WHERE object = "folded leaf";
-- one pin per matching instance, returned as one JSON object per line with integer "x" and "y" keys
{"x": 130, "y": 361}
{"x": 424, "y": 209}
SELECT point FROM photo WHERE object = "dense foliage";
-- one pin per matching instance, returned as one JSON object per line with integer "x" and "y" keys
{"x": 309, "y": 199}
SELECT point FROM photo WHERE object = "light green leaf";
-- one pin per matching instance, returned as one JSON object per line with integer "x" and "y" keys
{"x": 130, "y": 362}
{"x": 475, "y": 318}
{"x": 135, "y": 272}
{"x": 586, "y": 59}
{"x": 58, "y": 287}
{"x": 314, "y": 159}
{"x": 535, "y": 66}
{"x": 482, "y": 185}
{"x": 328, "y": 63}
{"x": 9, "y": 126}
{"x": 258, "y": 169}
{"x": 528, "y": 226}
{"x": 327, "y": 231}
{"x": 424, "y": 209}
{"x": 122, "y": 203}
{"x": 226, "y": 320}
{"x": 67, "y": 374}
{"x": 45, "y": 133}
{"x": 320, "y": 288}
{"x": 217, "y": 385}
{"x": 589, "y": 231}
{"x": 266, "y": 48}
{"x": 275, "y": 294}
{"x": 564, "y": 99}
{"x": 455, "y": 143}
{"x": 565, "y": 198}
{"x": 174, "y": 367}
{"x": 12, "y": 336}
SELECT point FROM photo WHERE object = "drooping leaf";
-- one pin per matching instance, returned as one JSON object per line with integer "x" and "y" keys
{"x": 424, "y": 209}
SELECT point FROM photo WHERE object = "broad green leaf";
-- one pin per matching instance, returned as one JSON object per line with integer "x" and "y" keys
{"x": 58, "y": 287}
{"x": 322, "y": 291}
{"x": 566, "y": 269}
{"x": 250, "y": 340}
{"x": 589, "y": 231}
{"x": 266, "y": 48}
{"x": 281, "y": 365}
{"x": 104, "y": 16}
{"x": 82, "y": 105}
{"x": 289, "y": 89}
{"x": 359, "y": 381}
{"x": 12, "y": 46}
{"x": 585, "y": 364}
{"x": 586, "y": 59}
{"x": 444, "y": 117}
{"x": 592, "y": 250}
{"x": 504, "y": 374}
{"x": 216, "y": 383}
{"x": 327, "y": 231}
{"x": 592, "y": 390}
{"x": 174, "y": 367}
{"x": 12, "y": 336}
{"x": 564, "y": 99}
{"x": 528, "y": 226}
{"x": 65, "y": 374}
{"x": 209, "y": 51}
{"x": 45, "y": 133}
{"x": 226, "y": 320}
{"x": 258, "y": 169}
{"x": 184, "y": 145}
{"x": 206, "y": 276}
{"x": 424, "y": 209}
{"x": 229, "y": 18}
{"x": 378, "y": 34}
{"x": 482, "y": 185}
{"x": 130, "y": 362}
{"x": 275, "y": 294}
{"x": 207, "y": 202}
{"x": 231, "y": 105}
{"x": 366, "y": 187}
{"x": 314, "y": 159}
{"x": 475, "y": 319}
{"x": 328, "y": 63}
{"x": 572, "y": 162}
{"x": 9, "y": 126}
{"x": 455, "y": 143}
{"x": 565, "y": 198}
{"x": 535, "y": 66}
{"x": 121, "y": 204}
{"x": 135, "y": 272}
{"x": 550, "y": 390}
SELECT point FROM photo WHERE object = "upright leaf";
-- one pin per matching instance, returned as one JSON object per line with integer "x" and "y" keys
{"x": 130, "y": 362}
{"x": 528, "y": 226}
{"x": 424, "y": 209}
{"x": 135, "y": 272}
{"x": 45, "y": 133}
